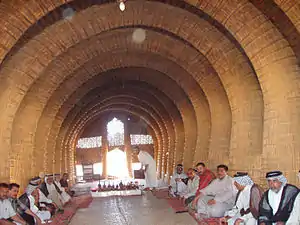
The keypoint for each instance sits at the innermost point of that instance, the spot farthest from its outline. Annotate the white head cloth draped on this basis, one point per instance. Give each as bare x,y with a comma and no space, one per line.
30,188
50,187
277,175
33,184
243,179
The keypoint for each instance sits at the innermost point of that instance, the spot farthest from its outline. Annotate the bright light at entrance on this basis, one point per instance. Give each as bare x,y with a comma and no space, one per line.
79,170
97,168
117,164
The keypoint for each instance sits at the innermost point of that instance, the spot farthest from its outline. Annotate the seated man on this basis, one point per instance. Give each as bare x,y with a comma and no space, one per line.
42,211
247,202
281,203
7,213
50,191
177,186
64,184
64,197
206,176
34,183
20,208
192,186
218,197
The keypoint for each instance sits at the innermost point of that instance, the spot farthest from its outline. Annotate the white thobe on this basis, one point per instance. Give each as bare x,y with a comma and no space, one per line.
150,174
178,187
274,201
6,209
64,197
295,214
43,198
192,187
54,195
223,192
243,202
43,215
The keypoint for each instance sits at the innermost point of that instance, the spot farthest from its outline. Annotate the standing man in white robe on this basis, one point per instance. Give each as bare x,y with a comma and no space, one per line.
148,166
218,197
281,203
245,210
177,186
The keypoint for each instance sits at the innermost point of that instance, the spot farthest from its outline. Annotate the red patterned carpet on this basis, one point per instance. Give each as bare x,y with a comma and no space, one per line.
70,209
178,207
209,221
162,194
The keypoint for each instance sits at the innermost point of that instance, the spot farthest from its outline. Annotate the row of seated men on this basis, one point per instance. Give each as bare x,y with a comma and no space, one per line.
41,200
236,200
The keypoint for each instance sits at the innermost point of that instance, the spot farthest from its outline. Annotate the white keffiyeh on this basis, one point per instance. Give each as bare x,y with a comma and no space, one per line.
281,178
244,180
30,188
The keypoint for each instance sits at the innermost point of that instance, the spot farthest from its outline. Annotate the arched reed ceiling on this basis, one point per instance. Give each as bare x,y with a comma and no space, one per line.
110,108
285,16
93,83
246,110
235,62
150,76
156,123
160,129
146,93
25,17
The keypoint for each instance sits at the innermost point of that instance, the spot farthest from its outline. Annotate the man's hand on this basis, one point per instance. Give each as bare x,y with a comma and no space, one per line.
238,221
194,202
146,167
182,199
211,202
177,179
280,223
225,219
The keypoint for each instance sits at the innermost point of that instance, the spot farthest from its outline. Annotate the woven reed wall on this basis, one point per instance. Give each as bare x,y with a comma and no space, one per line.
216,81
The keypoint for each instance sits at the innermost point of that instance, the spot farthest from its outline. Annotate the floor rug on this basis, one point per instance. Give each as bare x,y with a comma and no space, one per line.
207,221
162,194
177,205
70,209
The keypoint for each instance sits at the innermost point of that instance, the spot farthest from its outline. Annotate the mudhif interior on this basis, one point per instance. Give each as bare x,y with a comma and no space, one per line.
150,112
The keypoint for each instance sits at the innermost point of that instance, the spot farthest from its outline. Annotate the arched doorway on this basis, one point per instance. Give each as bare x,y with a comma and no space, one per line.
116,158
117,164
